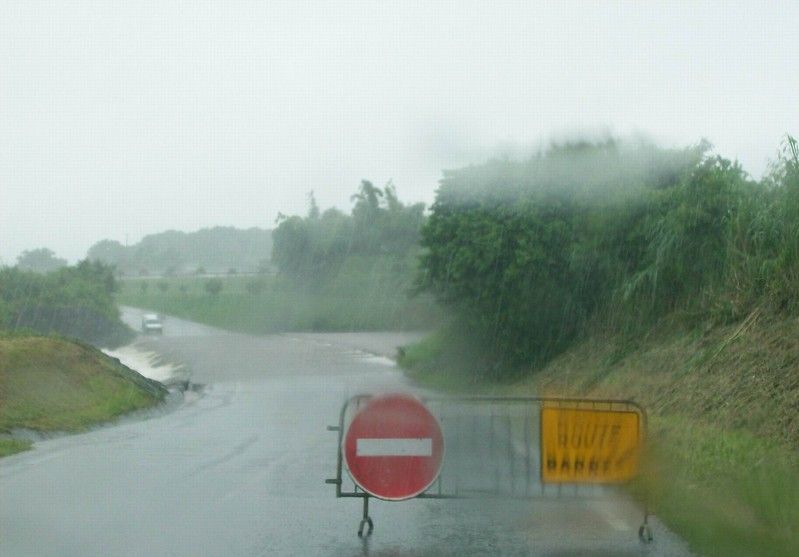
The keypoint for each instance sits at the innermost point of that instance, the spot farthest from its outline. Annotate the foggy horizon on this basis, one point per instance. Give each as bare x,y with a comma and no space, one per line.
120,121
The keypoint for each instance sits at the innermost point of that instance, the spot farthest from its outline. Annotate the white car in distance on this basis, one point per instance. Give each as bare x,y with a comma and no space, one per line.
151,323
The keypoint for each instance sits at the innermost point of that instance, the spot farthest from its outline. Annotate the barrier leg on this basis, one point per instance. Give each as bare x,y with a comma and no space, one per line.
645,532
366,521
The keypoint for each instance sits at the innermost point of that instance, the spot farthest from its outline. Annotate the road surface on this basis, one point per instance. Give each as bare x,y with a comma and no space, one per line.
240,470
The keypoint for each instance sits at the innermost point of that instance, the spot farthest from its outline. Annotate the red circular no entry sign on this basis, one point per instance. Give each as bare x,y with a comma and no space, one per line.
394,447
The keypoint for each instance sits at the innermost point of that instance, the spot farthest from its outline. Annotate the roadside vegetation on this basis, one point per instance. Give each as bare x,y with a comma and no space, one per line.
76,302
667,276
51,380
54,385
13,446
533,255
334,272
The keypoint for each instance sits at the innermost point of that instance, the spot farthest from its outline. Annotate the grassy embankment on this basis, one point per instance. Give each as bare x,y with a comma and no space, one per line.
54,385
722,468
367,294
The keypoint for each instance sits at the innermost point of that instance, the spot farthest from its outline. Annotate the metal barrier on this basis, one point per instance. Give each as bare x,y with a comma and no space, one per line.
520,447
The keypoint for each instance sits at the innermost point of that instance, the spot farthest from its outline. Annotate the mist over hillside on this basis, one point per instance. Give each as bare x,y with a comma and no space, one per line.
221,249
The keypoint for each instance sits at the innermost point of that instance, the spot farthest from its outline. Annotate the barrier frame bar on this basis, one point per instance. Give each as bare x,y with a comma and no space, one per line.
366,526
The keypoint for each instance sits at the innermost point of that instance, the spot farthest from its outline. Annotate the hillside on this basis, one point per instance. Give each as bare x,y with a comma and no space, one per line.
744,375
722,466
53,385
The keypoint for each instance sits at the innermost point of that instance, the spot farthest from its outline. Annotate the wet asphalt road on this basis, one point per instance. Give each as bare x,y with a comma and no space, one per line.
240,471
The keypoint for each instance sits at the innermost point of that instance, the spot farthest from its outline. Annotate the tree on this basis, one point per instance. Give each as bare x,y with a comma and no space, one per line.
392,201
108,251
367,198
313,208
313,249
367,217
40,260
525,253
213,286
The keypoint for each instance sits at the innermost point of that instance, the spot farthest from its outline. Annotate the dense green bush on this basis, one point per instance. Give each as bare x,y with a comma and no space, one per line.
73,301
528,253
312,250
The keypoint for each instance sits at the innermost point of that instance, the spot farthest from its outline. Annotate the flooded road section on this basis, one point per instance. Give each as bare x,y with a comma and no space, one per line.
240,471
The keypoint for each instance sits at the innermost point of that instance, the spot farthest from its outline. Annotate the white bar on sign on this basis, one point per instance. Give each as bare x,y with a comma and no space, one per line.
421,446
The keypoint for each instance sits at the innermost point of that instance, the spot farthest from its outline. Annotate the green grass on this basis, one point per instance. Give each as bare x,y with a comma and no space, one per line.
454,360
49,384
13,446
445,361
364,296
727,492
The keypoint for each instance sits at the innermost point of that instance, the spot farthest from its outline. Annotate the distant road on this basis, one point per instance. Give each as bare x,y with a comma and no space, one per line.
240,471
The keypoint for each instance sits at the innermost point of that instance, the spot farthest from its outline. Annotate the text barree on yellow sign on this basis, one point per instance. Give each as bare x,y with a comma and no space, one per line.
581,445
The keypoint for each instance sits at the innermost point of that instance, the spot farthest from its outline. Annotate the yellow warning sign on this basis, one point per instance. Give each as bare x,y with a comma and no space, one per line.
589,445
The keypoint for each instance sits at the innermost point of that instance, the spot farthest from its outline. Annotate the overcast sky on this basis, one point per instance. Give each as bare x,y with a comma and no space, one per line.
119,119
